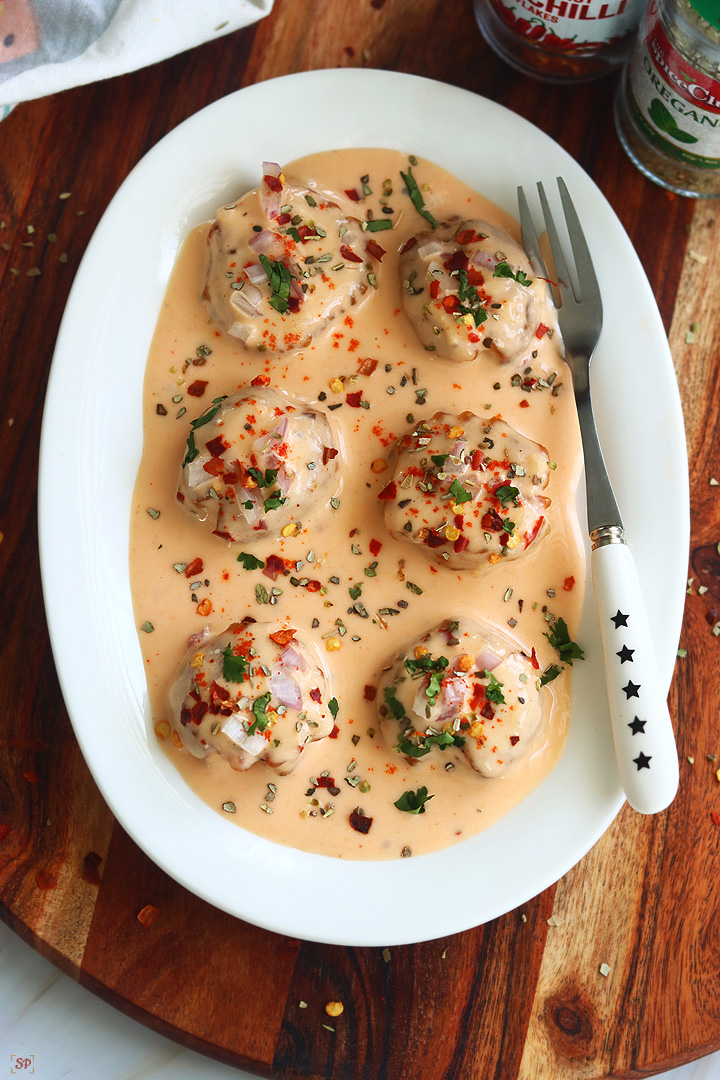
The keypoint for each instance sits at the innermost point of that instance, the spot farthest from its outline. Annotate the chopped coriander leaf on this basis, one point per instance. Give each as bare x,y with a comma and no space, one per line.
259,710
549,674
470,302
250,562
434,686
459,493
355,591
273,501
396,707
417,199
439,459
264,481
413,802
493,691
234,667
559,638
204,418
443,739
280,280
377,225
333,707
503,269
507,494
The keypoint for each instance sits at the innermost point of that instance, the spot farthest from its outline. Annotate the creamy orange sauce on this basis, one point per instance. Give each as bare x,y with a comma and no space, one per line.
512,596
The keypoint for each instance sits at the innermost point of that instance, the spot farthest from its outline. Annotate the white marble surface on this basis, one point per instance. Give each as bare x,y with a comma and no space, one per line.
66,1033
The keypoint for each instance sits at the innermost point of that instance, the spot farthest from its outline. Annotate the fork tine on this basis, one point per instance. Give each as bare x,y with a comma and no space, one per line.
583,263
529,236
561,267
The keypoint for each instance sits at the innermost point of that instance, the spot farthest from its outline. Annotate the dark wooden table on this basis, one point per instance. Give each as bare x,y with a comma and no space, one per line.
506,1000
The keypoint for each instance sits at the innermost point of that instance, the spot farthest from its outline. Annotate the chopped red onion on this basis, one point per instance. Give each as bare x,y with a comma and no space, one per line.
486,661
286,690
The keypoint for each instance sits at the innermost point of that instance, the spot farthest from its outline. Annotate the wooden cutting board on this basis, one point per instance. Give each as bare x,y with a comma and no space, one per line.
519,997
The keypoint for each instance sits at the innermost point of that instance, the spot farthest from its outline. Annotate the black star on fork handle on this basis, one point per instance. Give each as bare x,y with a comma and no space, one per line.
642,729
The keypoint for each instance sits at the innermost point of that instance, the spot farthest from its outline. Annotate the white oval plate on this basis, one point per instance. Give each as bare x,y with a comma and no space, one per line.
91,445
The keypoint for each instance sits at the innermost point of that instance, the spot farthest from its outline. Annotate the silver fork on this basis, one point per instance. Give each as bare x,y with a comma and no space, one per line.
642,730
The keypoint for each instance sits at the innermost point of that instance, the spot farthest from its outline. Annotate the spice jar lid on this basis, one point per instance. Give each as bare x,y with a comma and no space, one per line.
708,10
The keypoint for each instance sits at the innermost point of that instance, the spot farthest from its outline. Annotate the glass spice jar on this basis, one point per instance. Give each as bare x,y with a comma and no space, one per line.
667,106
560,40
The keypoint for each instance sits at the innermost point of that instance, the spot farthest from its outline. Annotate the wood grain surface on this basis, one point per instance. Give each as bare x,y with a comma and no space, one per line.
517,999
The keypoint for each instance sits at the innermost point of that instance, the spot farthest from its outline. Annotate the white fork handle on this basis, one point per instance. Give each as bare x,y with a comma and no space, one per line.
642,730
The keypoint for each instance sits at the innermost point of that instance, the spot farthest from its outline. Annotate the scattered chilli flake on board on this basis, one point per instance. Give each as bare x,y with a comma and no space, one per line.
46,880
148,915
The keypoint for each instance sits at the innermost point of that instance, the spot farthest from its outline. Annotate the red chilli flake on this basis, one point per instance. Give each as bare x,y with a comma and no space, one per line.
524,405
375,250
45,880
348,254
275,184
261,380
193,568
374,546
410,244
283,637
148,915
316,696
352,194
217,446
274,565
514,740
324,782
354,399
541,330
434,289
329,452
468,236
568,584
534,660
335,732
360,823
370,692
529,539
389,491
198,388
90,872
366,367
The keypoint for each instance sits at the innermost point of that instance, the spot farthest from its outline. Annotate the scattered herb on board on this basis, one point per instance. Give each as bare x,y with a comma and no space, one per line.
413,802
